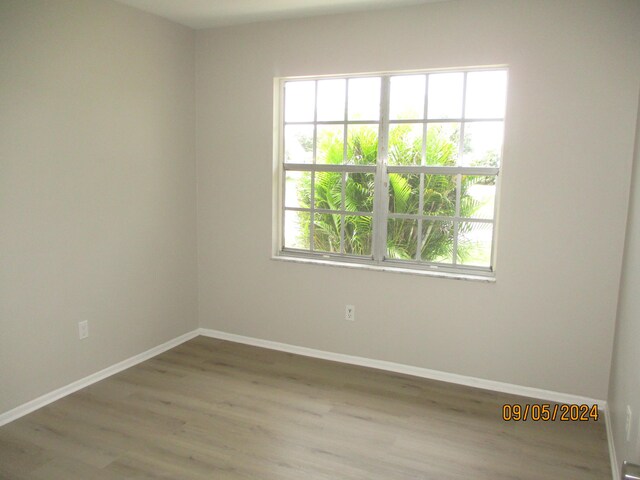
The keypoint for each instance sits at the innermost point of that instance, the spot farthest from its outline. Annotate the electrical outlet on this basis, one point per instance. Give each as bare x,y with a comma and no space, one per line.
627,426
350,313
83,329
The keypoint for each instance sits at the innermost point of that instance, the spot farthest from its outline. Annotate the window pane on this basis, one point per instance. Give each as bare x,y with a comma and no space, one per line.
299,101
298,143
358,232
404,193
330,147
331,99
482,144
362,144
443,143
474,243
359,192
402,238
445,95
296,229
444,119
437,241
328,191
407,97
486,94
364,98
326,236
405,144
297,190
440,195
478,196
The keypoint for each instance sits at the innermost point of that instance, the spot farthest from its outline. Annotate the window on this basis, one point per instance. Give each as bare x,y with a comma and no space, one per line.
395,169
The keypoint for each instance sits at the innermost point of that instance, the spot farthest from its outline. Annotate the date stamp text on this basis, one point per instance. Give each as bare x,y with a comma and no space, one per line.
545,412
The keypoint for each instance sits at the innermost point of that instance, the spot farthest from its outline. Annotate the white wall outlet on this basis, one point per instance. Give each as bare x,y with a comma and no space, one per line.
350,313
627,425
83,329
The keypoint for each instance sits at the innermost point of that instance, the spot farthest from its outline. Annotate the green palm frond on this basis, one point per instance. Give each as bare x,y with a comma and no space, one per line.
405,148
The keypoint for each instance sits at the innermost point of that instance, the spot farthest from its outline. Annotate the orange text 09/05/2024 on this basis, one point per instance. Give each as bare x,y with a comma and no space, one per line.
546,412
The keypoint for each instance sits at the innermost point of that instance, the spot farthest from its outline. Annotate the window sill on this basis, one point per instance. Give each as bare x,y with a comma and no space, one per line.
386,268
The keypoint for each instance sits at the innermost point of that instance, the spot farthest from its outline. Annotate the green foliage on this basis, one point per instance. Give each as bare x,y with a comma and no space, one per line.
439,197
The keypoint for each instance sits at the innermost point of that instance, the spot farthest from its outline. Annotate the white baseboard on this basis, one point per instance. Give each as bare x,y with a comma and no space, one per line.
47,398
408,369
615,471
537,393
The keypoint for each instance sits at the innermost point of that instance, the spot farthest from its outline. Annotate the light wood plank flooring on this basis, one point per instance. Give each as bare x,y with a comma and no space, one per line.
211,409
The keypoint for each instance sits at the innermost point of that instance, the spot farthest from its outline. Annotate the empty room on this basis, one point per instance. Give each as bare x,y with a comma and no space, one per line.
320,239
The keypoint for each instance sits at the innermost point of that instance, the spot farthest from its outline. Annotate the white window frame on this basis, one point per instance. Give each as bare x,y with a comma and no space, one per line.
381,170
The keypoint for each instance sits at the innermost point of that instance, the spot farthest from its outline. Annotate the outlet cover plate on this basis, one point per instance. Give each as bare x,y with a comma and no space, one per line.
83,329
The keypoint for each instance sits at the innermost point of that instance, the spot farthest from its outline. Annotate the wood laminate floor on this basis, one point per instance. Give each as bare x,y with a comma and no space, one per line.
211,409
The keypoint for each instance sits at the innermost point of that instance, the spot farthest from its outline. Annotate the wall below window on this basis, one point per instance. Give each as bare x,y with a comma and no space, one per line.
97,200
548,321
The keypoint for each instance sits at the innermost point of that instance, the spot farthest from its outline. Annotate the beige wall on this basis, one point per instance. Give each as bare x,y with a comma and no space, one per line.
548,321
624,388
97,198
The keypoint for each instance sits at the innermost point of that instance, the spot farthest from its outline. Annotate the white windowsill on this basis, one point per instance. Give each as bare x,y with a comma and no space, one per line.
386,268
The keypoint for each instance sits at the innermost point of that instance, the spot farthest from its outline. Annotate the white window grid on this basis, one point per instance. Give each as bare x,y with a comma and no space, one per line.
381,170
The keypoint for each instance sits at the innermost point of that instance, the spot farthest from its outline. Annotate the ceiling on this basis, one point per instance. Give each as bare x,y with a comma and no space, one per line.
215,13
